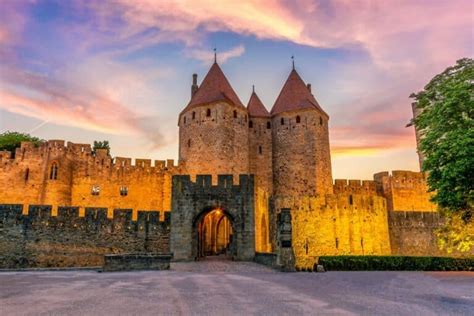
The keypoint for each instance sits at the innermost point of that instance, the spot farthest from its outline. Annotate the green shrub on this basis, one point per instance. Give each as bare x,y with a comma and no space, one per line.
395,263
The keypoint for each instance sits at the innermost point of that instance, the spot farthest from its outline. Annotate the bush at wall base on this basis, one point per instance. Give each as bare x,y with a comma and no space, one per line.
395,263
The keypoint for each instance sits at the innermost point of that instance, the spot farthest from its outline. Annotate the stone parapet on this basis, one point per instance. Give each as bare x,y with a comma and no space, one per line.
40,240
136,261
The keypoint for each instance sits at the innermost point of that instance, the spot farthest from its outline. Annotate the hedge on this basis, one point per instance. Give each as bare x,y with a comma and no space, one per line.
395,263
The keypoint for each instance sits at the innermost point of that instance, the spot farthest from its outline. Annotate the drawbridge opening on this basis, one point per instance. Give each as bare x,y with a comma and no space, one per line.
214,235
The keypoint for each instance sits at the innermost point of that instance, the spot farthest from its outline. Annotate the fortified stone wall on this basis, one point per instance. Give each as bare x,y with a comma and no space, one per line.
214,144
413,233
82,178
301,154
344,186
26,178
123,185
405,191
39,240
337,224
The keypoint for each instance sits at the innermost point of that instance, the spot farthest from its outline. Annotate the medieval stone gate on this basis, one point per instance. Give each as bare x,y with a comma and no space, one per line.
191,201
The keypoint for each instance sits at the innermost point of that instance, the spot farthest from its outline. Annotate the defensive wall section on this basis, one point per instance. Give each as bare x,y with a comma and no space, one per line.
414,233
337,224
57,174
40,240
391,214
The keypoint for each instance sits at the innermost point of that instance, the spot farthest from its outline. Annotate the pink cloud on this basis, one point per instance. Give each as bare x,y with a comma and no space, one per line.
407,41
383,28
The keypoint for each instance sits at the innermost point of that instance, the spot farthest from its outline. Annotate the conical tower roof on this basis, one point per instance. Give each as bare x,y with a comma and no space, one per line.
215,87
295,95
256,107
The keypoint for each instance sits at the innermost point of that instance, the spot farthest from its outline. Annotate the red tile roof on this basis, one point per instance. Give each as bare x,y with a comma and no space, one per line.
295,96
256,107
215,87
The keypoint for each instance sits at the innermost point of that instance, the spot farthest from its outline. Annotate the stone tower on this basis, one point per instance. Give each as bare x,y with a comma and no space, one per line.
260,143
213,128
418,134
301,153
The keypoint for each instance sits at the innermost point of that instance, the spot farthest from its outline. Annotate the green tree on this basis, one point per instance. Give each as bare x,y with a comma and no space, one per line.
101,145
12,140
446,121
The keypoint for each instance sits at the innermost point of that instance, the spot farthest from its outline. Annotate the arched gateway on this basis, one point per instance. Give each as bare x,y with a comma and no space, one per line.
210,220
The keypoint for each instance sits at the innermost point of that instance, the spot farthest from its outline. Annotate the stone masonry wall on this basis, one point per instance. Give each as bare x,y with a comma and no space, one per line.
27,178
260,152
191,201
301,154
263,218
405,191
260,160
413,233
337,225
40,240
215,144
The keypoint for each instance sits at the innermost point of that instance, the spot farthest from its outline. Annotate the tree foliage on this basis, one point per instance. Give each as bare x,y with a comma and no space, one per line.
101,145
446,123
12,140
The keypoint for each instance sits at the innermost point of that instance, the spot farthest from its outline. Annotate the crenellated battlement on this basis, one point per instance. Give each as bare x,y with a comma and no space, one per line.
405,190
42,239
81,153
101,214
224,182
354,186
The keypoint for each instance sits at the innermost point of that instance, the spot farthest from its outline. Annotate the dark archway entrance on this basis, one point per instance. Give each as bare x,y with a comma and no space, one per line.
213,234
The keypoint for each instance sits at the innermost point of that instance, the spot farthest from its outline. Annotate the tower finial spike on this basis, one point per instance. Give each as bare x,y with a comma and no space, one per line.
293,61
215,55
253,88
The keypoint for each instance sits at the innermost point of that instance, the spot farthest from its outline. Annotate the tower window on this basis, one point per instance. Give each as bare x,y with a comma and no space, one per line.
298,119
194,115
269,125
53,175
95,190
337,243
27,173
260,150
320,120
184,120
235,114
282,121
123,190
250,124
208,112
189,142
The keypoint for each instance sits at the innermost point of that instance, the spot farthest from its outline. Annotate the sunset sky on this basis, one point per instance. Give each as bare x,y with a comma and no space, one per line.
121,70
